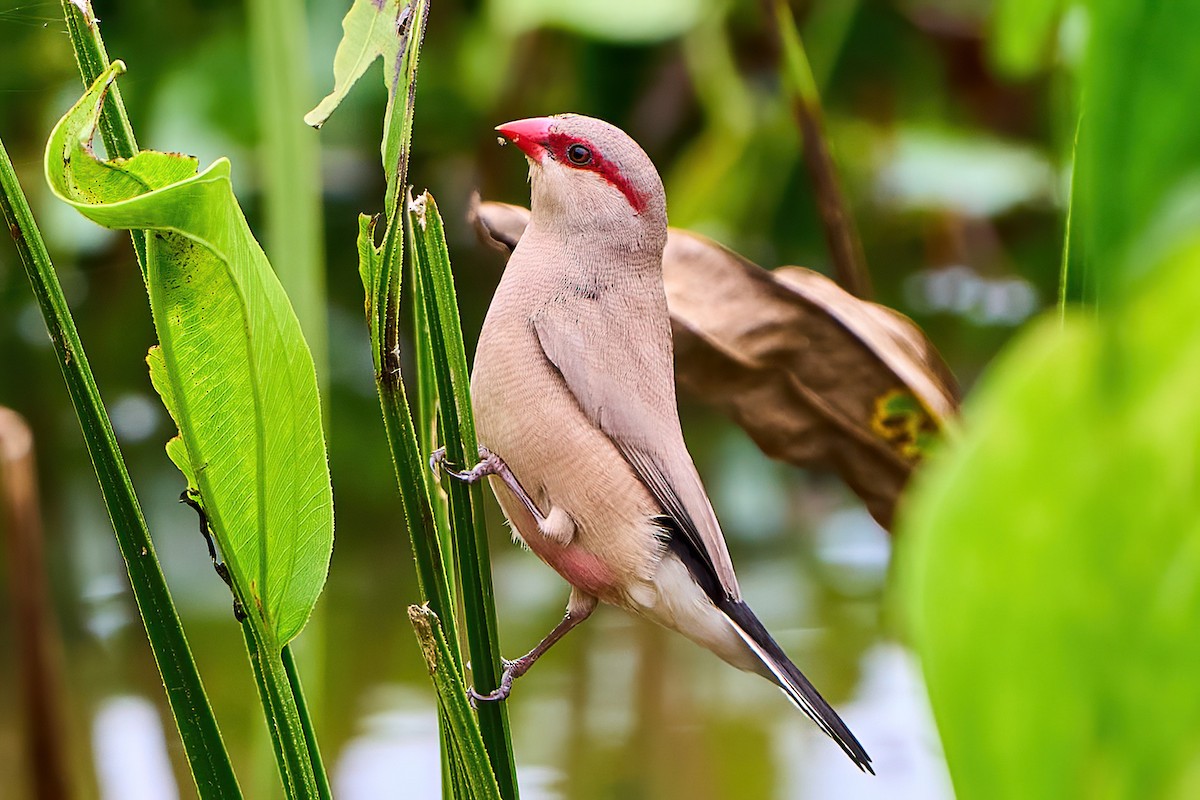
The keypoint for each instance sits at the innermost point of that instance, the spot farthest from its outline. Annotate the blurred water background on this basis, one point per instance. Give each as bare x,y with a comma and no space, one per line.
954,171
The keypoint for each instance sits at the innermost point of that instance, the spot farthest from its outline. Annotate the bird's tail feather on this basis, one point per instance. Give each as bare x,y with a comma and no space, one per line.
797,687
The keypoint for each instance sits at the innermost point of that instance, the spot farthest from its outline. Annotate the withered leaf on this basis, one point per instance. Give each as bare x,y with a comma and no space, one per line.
816,376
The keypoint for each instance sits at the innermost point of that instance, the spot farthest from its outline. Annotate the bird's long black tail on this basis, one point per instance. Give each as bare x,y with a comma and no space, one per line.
797,687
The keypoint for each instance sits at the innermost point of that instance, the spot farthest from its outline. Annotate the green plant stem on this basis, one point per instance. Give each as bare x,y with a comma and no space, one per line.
383,297
428,243
407,460
428,554
206,753
427,419
260,683
306,724
1065,264
297,767
92,57
455,706
382,269
454,783
841,234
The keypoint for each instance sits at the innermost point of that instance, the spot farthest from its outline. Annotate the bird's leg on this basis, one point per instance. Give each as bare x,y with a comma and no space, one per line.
489,464
578,609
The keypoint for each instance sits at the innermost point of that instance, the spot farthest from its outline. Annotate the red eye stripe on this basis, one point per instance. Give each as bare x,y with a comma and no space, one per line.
558,142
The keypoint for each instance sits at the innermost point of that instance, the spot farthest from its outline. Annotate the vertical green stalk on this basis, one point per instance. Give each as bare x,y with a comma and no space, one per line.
427,417
1064,266
428,243
845,247
286,714
456,710
381,269
260,683
395,29
290,737
306,724
206,754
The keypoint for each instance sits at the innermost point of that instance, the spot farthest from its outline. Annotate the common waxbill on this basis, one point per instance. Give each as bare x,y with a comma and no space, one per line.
574,396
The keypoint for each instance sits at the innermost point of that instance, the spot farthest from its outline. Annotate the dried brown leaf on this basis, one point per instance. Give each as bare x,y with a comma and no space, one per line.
816,376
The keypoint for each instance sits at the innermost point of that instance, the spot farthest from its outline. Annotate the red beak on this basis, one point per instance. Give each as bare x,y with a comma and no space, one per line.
531,135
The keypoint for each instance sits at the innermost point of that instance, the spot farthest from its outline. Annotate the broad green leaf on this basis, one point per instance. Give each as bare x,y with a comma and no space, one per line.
206,754
1138,153
233,368
1050,561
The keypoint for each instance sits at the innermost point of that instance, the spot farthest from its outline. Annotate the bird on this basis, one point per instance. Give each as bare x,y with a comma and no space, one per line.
573,394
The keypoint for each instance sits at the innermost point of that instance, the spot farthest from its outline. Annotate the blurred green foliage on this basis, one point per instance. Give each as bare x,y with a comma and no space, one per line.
1051,558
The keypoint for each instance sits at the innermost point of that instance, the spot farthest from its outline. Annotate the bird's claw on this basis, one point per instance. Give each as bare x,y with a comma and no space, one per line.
512,671
489,464
501,693
436,459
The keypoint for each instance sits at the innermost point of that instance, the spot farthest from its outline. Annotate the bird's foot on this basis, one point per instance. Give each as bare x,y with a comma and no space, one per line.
489,464
492,464
512,671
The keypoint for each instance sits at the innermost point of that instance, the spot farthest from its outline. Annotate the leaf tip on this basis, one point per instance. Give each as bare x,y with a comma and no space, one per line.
315,118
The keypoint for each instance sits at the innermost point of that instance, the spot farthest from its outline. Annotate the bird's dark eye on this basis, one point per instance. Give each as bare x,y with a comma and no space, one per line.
579,154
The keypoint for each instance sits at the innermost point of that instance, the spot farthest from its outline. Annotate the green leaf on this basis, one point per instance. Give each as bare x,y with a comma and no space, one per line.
381,29
206,754
1051,560
369,31
233,369
1138,160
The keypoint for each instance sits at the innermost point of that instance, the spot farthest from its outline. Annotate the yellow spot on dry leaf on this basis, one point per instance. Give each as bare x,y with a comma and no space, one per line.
903,422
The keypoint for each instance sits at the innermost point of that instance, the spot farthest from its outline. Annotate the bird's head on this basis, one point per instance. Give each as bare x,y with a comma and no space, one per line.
587,174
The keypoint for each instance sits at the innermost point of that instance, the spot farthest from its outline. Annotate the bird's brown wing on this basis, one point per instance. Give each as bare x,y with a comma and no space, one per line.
628,392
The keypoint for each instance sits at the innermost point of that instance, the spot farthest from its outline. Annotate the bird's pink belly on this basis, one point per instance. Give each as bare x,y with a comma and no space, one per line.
581,569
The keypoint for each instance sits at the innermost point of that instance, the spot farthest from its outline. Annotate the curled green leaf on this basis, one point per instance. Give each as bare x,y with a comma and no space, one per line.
232,368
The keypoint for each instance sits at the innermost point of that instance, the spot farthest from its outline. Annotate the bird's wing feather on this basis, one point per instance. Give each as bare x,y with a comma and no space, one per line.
631,398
